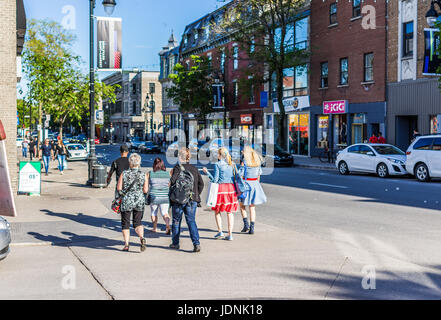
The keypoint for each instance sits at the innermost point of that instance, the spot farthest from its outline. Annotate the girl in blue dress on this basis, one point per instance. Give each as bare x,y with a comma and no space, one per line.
251,170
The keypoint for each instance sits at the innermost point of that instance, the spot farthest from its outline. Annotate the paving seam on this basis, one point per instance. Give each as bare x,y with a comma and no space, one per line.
92,274
338,275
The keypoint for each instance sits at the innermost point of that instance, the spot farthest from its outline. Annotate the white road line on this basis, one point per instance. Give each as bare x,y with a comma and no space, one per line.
328,185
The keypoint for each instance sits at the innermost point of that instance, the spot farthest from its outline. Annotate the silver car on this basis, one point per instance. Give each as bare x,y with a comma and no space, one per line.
5,238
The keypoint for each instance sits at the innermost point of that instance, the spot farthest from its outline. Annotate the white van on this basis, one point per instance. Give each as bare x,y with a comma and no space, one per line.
424,157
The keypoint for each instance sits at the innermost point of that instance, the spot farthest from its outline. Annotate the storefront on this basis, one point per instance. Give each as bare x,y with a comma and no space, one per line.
249,125
215,124
339,123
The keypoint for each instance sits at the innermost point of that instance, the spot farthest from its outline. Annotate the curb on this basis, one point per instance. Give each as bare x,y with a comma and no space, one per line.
308,166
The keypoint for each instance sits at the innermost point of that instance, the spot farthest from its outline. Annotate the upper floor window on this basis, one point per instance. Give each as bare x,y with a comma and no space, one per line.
252,45
235,92
151,88
333,13
369,67
356,8
301,35
324,75
134,88
235,57
408,39
222,61
295,81
344,71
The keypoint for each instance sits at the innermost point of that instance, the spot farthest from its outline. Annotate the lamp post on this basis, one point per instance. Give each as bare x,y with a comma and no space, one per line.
109,6
152,110
432,15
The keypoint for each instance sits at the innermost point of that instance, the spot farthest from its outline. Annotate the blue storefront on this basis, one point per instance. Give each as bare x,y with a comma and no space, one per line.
352,123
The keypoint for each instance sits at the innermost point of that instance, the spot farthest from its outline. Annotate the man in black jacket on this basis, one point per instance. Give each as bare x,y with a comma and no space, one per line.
188,209
118,166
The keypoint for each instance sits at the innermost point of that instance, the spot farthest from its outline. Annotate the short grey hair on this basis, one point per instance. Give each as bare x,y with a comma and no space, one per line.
135,160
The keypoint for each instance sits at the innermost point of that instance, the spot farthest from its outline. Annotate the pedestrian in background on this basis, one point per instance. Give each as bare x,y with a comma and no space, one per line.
24,148
119,166
381,139
47,153
227,196
133,184
373,139
61,154
251,169
188,209
159,182
32,149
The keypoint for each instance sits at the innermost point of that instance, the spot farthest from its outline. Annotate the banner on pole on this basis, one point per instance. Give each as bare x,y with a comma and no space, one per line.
109,37
432,60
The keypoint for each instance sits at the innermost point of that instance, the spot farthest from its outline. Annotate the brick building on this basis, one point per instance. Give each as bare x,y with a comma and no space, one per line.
414,99
13,29
348,72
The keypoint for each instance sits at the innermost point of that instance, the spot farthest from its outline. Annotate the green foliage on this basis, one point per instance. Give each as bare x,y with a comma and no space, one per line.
438,51
23,109
192,89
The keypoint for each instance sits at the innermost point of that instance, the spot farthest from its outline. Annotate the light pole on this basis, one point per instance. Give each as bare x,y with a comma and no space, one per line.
152,110
432,15
109,6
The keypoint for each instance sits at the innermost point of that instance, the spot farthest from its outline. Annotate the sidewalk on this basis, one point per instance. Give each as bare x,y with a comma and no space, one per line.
312,163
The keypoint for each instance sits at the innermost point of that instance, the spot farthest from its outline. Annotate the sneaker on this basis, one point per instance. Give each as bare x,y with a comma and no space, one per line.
174,246
229,238
219,235
197,248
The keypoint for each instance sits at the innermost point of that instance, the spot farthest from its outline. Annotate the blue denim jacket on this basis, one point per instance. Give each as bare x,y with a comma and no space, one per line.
252,172
223,173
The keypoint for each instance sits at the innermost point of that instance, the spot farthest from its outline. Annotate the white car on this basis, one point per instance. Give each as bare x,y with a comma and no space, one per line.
76,151
5,238
382,159
424,158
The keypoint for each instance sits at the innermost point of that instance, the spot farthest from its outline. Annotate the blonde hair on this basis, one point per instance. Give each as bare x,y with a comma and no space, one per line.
224,154
184,154
251,157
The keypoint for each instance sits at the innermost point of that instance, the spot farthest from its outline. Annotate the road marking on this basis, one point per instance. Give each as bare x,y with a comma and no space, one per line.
328,185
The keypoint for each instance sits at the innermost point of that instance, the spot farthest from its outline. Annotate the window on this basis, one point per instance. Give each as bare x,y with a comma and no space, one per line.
354,149
252,46
344,71
152,87
369,67
364,149
324,75
235,92
437,144
196,36
301,33
126,108
301,80
236,57
423,144
408,39
251,97
126,89
133,111
333,13
288,82
222,62
356,8
322,130
295,81
210,61
134,88
207,31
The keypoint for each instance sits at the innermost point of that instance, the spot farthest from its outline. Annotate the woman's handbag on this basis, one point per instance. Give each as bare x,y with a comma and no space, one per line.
212,195
116,203
242,188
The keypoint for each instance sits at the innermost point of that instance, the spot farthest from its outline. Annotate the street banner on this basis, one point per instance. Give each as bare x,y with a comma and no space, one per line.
7,204
30,177
432,60
264,99
109,37
99,117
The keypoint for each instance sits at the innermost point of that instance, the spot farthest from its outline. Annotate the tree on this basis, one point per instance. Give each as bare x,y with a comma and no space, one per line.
265,29
192,89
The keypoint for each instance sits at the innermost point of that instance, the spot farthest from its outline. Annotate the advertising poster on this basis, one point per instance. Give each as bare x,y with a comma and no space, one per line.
431,58
7,205
109,37
30,177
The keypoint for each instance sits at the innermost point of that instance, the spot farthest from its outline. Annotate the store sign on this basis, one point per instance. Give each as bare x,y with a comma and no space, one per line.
30,177
335,107
293,104
7,204
246,119
99,117
432,60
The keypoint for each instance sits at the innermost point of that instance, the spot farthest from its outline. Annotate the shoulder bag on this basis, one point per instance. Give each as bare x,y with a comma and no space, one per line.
116,203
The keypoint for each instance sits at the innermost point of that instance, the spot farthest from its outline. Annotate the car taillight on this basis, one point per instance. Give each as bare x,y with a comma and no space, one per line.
408,153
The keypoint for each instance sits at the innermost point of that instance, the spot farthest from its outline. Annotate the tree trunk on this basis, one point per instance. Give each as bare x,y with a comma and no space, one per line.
281,138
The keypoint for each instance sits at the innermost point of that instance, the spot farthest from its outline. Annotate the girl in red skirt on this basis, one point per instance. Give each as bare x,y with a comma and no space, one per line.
226,197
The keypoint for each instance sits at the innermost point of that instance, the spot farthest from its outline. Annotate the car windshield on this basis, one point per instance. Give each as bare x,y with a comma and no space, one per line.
384,150
149,143
75,147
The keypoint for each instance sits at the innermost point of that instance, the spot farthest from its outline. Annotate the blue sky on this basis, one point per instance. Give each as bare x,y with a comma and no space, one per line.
147,24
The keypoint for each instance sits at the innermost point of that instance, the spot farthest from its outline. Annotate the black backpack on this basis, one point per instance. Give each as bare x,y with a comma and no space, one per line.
181,192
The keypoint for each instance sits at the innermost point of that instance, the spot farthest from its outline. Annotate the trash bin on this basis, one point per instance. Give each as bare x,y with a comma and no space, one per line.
99,173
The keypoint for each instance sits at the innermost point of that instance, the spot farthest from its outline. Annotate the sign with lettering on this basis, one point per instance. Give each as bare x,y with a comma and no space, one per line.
109,37
30,177
246,119
293,104
335,107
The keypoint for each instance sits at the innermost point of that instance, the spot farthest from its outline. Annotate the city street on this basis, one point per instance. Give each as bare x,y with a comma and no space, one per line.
318,236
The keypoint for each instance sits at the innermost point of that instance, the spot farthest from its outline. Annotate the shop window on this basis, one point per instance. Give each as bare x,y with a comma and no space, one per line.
359,128
298,134
435,124
322,131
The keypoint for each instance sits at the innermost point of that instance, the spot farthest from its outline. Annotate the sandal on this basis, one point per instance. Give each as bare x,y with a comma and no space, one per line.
126,248
168,231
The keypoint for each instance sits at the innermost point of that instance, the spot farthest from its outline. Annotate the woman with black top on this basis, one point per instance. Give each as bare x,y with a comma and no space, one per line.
60,149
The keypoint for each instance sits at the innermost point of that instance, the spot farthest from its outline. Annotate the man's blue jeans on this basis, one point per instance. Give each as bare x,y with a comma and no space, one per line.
25,152
189,210
46,160
61,160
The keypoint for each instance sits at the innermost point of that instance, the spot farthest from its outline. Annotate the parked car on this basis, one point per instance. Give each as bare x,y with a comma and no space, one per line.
382,159
149,147
424,158
5,237
134,143
194,145
76,151
280,157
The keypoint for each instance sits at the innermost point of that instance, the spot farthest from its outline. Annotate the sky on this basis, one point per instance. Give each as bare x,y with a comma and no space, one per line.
147,24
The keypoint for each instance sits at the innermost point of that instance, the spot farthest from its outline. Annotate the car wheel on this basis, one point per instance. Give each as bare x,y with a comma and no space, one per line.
343,168
422,173
382,170
176,153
